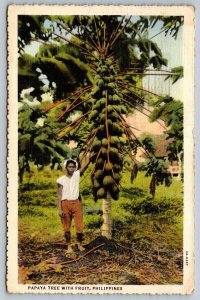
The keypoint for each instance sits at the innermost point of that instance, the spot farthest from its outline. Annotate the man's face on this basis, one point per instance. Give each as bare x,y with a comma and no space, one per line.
70,168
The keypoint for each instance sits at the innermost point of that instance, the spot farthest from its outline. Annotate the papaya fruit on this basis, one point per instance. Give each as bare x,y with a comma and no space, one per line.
101,193
104,142
108,181
98,174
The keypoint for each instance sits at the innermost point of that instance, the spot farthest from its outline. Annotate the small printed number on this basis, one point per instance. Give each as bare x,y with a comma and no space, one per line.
186,258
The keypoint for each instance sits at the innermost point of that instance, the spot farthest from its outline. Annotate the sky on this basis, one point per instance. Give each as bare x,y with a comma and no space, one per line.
172,51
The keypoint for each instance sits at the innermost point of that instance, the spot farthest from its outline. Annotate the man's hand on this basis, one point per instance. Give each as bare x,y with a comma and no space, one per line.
61,215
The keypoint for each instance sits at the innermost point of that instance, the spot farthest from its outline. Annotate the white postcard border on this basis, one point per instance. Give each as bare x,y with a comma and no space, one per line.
12,218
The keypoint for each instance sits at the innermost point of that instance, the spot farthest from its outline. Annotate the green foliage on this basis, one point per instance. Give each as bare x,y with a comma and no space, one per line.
28,76
158,170
30,27
93,222
171,24
124,48
31,186
178,74
44,198
36,142
148,144
146,46
171,111
163,206
58,66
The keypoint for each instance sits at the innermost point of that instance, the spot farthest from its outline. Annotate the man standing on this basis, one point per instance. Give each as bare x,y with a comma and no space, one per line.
69,203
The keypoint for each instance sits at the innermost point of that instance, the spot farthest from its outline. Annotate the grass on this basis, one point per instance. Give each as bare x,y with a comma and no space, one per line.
135,209
43,226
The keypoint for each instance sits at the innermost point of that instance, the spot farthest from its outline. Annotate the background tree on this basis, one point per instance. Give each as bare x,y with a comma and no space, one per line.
155,167
171,111
60,65
36,138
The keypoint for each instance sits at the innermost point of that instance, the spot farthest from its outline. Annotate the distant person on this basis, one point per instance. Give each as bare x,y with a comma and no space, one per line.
69,203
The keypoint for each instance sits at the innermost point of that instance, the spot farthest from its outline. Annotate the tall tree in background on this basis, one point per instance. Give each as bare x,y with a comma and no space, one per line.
37,139
155,167
171,111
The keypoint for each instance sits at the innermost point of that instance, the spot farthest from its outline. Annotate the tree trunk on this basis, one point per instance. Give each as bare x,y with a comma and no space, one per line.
106,207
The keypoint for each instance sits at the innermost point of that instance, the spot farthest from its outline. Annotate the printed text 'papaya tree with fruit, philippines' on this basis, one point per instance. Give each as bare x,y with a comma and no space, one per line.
118,53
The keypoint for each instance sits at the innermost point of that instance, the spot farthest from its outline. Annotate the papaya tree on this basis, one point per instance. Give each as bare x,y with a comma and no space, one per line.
118,55
113,95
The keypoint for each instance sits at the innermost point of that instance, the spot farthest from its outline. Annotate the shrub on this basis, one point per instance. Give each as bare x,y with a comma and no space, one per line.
35,211
93,221
39,197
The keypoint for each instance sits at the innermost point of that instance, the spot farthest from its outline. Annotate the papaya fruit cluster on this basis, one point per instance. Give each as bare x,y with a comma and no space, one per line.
105,114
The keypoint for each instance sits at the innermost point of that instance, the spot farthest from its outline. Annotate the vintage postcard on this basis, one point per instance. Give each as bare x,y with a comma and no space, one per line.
100,149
